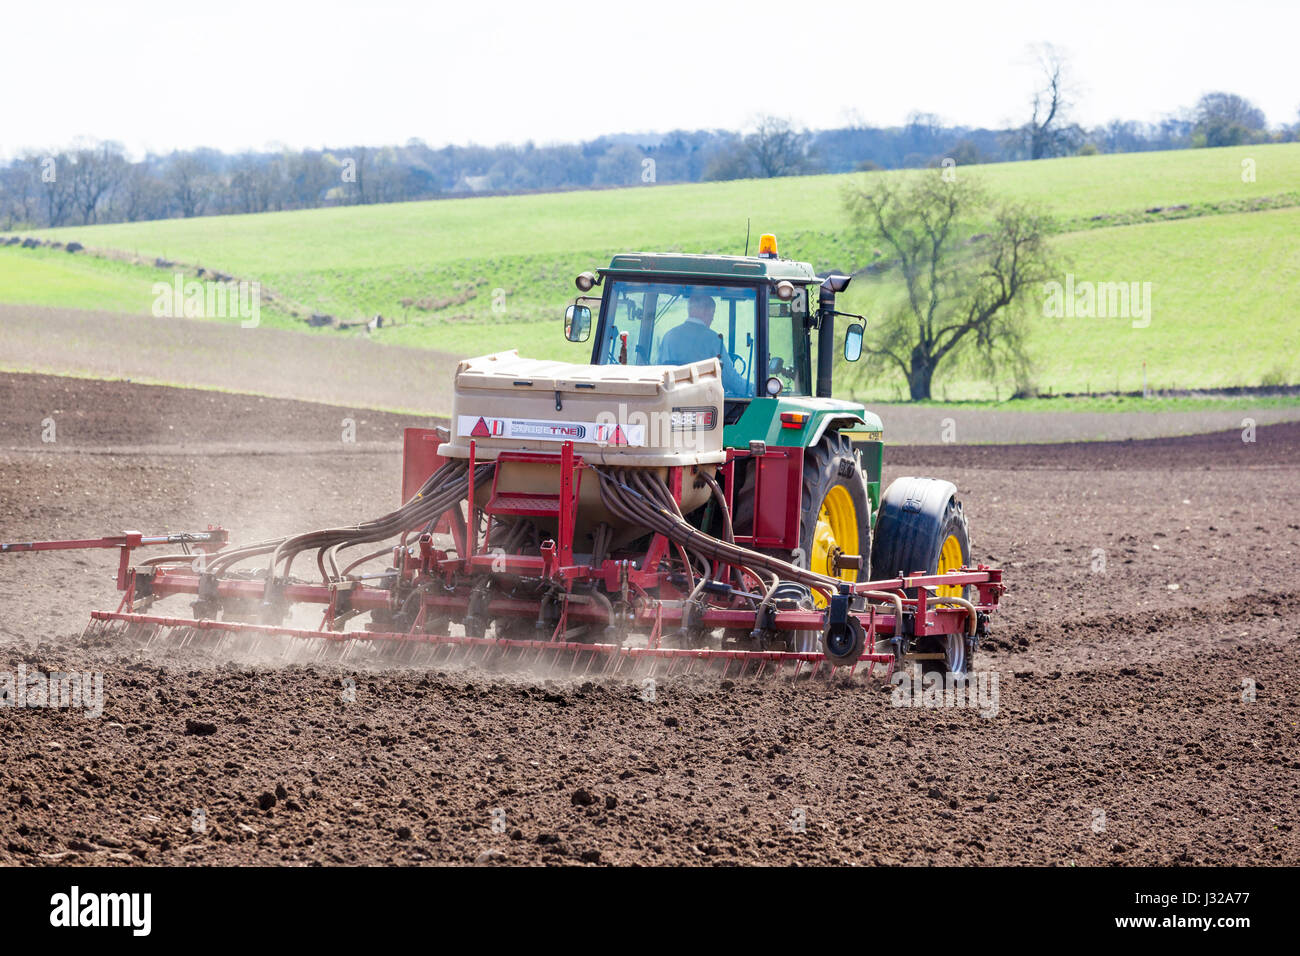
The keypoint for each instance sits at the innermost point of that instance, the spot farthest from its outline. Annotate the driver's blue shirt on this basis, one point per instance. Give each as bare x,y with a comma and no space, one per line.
693,341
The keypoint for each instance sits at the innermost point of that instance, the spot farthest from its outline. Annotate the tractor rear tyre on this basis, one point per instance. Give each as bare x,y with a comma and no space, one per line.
836,512
921,528
835,519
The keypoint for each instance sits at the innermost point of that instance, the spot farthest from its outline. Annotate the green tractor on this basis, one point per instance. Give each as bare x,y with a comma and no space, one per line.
758,315
692,497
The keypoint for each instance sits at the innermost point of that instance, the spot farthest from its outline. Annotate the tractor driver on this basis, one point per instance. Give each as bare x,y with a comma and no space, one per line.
694,341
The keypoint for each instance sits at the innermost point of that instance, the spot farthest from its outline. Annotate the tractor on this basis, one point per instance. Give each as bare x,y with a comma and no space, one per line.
776,410
693,496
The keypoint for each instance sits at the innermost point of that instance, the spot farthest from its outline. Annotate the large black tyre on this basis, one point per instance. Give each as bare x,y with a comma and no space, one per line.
834,497
921,528
828,465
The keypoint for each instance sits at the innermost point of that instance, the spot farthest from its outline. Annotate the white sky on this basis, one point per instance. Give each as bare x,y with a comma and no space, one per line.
234,74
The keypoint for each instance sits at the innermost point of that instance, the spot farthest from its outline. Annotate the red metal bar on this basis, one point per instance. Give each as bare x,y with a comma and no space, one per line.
203,541
671,654
128,539
471,530
930,619
568,506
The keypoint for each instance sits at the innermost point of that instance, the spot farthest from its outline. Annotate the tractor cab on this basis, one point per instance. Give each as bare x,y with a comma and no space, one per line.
754,314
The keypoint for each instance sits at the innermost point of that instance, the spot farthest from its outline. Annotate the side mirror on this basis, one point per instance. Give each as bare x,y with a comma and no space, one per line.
577,323
853,342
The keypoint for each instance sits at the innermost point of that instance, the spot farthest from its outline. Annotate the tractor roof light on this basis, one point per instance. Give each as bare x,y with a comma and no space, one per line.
585,281
767,246
785,290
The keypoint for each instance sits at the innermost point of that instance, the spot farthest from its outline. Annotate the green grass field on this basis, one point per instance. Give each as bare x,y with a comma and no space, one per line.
481,274
55,278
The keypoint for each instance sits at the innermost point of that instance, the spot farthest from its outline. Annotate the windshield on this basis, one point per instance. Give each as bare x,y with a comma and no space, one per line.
787,342
669,323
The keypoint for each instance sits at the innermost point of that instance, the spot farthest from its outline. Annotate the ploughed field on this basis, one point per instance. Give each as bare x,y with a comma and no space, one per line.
1152,596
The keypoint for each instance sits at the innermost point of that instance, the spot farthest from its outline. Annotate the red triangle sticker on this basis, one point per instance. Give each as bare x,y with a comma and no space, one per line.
481,430
619,438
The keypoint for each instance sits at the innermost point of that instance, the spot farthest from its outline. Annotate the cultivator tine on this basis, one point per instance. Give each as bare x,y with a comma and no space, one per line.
419,650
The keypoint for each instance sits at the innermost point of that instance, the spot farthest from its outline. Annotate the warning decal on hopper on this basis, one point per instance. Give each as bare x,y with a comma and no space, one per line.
596,433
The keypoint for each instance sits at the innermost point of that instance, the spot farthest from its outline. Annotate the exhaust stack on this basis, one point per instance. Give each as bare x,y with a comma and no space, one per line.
831,286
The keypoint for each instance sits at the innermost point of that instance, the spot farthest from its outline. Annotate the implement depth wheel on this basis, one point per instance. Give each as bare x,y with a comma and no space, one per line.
836,513
843,644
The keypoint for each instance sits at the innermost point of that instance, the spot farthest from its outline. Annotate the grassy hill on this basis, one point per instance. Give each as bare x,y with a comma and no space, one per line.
1224,278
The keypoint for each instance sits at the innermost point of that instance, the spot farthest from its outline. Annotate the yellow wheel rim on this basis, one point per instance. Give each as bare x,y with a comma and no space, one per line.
836,533
950,559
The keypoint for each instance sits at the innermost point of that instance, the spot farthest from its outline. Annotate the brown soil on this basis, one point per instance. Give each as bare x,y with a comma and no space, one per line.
1119,693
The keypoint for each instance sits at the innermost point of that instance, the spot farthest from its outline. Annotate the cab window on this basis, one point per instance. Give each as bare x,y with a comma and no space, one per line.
670,323
787,342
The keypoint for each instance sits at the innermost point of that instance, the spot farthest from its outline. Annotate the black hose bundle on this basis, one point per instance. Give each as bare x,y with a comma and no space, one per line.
635,496
444,489
632,496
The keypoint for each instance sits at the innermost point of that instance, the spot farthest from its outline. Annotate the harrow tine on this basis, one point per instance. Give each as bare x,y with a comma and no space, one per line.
427,650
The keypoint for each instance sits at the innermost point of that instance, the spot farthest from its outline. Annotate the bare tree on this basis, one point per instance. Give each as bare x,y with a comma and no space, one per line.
139,196
1226,119
1048,133
20,196
187,177
252,183
776,148
309,176
962,294
359,157
52,173
95,172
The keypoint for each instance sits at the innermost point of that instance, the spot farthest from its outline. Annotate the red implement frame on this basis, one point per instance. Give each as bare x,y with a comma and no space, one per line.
644,582
204,541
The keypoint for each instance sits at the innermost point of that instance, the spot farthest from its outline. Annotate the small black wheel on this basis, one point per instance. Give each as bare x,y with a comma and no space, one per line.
955,651
845,643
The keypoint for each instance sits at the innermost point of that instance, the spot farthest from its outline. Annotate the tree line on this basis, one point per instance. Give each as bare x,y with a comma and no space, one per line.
98,182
